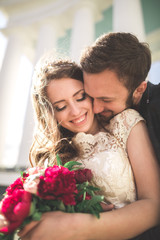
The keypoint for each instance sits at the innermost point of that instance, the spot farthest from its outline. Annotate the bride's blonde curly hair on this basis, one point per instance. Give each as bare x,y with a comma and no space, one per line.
49,137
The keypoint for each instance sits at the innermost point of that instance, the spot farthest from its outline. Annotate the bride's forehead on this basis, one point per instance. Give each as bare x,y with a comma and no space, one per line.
63,88
65,82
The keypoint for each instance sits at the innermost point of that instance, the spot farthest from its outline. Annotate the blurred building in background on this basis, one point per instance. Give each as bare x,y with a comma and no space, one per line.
31,28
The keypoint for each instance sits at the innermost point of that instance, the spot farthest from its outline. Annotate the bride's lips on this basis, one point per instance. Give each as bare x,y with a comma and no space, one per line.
81,120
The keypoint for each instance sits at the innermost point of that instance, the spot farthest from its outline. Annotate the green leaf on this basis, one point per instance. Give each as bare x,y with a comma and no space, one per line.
59,162
7,237
70,209
33,206
70,164
90,206
61,206
36,216
76,168
93,188
98,198
96,213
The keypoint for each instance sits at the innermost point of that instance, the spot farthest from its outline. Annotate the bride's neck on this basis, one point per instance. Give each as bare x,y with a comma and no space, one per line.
95,127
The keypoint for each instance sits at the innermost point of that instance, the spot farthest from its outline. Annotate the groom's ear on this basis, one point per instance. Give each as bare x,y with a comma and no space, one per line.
138,92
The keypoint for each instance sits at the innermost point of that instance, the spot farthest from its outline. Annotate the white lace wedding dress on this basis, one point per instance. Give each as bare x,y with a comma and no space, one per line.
106,155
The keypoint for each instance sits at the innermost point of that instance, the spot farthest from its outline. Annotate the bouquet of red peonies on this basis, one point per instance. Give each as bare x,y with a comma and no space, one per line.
66,188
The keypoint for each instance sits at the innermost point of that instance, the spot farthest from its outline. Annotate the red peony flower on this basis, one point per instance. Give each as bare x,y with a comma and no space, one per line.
37,189
83,175
58,183
18,184
16,208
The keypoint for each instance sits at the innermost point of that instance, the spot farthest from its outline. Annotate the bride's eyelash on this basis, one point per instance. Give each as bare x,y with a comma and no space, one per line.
59,109
83,97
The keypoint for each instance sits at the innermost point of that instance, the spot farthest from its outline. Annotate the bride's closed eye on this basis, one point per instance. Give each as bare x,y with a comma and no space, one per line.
82,97
58,109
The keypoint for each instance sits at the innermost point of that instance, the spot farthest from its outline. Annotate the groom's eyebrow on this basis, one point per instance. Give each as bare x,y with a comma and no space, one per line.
104,97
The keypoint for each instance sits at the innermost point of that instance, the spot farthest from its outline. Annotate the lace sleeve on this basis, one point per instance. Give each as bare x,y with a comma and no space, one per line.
121,125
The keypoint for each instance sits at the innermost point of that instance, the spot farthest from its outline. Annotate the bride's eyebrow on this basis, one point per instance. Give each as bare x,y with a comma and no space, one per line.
78,92
63,100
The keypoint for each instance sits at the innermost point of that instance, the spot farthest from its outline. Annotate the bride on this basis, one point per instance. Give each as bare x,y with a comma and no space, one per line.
119,154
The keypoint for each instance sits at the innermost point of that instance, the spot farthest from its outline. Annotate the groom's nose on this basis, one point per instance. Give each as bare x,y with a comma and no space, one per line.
97,106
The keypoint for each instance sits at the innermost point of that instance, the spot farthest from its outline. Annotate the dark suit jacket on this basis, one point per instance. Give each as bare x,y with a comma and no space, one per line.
150,109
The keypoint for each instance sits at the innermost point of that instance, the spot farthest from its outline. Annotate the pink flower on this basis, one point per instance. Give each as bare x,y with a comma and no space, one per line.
34,170
31,186
15,208
58,183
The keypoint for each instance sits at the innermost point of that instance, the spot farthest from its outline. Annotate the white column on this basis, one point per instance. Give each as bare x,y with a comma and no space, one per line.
82,29
128,17
46,42
27,137
46,39
8,78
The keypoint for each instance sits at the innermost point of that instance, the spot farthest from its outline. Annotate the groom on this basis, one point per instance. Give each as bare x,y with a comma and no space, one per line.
115,69
115,72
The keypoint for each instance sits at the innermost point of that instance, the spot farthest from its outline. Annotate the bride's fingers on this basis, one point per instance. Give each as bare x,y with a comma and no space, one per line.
107,207
27,228
3,221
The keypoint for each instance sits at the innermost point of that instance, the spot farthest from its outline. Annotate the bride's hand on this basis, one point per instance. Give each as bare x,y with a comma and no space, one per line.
107,207
3,220
44,229
54,225
30,226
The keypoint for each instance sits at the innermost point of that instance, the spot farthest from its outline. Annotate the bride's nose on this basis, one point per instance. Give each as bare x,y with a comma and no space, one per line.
74,110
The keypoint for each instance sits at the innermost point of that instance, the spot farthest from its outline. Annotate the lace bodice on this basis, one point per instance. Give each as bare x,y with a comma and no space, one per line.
106,155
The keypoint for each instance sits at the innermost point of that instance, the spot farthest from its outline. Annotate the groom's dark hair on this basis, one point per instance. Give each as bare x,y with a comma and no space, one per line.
121,53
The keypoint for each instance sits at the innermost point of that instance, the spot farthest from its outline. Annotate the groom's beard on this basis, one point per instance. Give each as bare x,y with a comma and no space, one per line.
129,101
104,120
